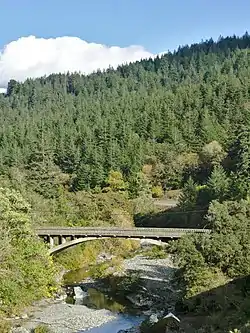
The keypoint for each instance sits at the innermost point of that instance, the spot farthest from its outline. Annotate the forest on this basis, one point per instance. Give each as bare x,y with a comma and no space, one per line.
94,150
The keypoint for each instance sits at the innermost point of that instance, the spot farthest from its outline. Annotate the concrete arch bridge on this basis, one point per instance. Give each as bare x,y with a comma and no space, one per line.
60,238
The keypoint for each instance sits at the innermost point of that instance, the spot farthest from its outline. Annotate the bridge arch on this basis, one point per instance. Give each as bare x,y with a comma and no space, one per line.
70,236
58,248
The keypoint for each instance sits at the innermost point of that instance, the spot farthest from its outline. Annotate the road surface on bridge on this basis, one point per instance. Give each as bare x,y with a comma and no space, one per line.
162,233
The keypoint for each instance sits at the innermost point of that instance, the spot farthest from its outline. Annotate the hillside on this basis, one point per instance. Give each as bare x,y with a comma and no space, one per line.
142,113
94,150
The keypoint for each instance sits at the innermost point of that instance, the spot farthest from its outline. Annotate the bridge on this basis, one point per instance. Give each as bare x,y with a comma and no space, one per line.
60,238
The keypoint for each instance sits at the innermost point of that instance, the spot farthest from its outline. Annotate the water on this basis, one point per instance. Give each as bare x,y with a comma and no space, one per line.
126,315
122,322
76,276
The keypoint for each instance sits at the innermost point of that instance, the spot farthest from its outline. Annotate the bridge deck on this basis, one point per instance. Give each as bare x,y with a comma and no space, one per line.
117,232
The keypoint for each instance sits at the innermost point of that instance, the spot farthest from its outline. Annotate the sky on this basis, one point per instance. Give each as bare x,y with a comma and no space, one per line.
40,37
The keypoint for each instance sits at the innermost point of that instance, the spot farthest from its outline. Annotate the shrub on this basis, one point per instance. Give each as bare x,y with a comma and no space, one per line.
42,329
157,192
27,271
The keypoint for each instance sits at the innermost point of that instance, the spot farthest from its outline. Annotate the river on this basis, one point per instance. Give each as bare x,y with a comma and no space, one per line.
89,308
125,314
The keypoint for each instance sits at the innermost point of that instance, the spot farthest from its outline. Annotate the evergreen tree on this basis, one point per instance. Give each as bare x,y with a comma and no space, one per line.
240,156
218,184
189,195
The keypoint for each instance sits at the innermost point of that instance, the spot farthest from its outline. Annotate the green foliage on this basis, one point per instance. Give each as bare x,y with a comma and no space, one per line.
115,181
156,252
43,174
138,185
229,246
42,329
240,156
210,260
189,195
69,138
86,254
157,192
212,153
86,126
27,271
218,184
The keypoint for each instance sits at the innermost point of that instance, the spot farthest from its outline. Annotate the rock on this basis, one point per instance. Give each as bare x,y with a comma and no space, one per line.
153,318
79,293
19,330
104,257
24,316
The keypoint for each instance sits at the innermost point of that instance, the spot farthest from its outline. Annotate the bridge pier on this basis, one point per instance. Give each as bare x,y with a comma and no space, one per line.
51,242
62,240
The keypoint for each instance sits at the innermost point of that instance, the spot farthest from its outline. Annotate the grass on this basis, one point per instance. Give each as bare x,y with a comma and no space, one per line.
42,329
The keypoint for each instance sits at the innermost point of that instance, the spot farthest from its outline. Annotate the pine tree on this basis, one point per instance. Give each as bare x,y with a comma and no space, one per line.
240,156
43,174
218,184
189,195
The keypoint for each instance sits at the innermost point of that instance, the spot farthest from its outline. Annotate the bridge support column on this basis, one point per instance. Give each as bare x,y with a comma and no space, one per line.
46,239
62,240
51,242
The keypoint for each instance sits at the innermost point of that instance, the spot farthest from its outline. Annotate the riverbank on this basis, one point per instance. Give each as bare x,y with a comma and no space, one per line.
149,297
67,318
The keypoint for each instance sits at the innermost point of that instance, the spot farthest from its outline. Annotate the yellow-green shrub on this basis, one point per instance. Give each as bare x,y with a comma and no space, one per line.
157,192
42,329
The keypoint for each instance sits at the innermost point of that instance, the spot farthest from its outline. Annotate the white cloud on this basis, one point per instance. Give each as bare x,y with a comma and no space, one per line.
30,57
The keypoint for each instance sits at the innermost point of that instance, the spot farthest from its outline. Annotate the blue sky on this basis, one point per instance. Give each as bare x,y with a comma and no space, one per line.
158,25
30,43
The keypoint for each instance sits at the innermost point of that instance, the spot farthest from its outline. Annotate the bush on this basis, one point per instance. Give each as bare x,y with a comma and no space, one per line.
42,329
157,192
85,255
27,271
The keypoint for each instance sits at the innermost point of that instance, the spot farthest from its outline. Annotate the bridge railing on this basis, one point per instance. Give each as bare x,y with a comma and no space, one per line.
133,232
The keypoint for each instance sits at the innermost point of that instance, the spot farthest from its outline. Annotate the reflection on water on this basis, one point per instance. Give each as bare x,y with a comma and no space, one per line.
126,317
98,300
76,276
95,299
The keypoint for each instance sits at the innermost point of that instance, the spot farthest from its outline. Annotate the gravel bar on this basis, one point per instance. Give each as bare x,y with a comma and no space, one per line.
67,318
152,269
